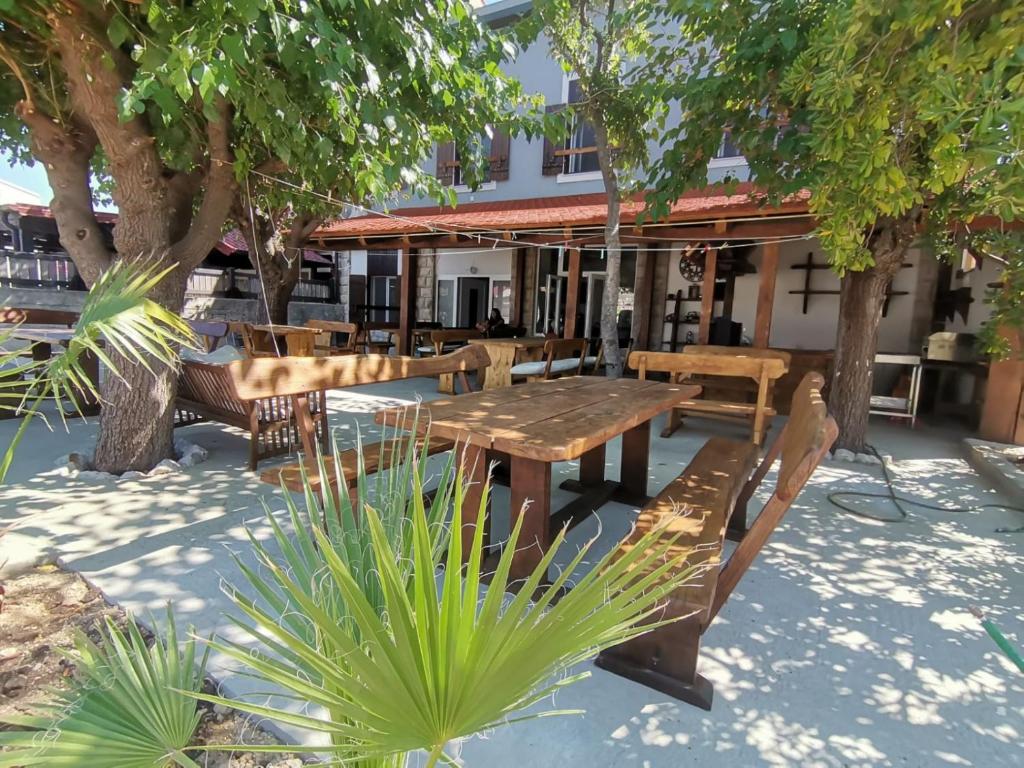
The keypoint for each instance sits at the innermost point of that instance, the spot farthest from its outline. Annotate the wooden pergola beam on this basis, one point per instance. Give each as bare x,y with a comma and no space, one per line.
707,299
572,293
407,301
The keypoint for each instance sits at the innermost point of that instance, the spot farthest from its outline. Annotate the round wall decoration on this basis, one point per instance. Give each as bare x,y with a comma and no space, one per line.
691,263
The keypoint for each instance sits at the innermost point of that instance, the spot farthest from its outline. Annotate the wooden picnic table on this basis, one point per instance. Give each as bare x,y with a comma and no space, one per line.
505,353
42,339
299,340
543,422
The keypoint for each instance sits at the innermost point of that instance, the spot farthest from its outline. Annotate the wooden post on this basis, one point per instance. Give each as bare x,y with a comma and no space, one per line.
643,299
707,301
766,294
407,301
518,287
572,293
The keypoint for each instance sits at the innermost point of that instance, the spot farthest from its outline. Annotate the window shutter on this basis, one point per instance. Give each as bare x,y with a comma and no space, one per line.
552,164
500,146
446,163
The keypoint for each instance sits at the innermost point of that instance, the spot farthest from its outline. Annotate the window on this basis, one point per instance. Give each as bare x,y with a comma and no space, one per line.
728,152
580,149
485,154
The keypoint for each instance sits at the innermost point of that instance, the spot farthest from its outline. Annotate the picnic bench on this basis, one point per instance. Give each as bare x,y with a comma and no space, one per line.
504,354
294,376
274,420
704,504
700,367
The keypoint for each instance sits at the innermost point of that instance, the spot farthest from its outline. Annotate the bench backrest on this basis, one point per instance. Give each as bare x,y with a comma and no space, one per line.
564,349
352,332
758,353
452,336
266,377
680,365
211,332
801,445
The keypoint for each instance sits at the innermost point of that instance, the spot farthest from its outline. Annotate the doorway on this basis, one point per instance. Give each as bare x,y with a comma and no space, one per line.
474,294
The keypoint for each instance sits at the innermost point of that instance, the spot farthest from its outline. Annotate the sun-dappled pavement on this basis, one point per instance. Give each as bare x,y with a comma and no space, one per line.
848,643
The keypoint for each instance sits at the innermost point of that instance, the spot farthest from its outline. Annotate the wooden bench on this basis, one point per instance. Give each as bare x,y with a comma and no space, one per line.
562,357
697,368
446,340
351,371
324,342
704,504
213,393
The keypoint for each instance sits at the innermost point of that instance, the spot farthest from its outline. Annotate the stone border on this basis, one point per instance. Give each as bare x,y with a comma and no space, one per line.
994,461
78,466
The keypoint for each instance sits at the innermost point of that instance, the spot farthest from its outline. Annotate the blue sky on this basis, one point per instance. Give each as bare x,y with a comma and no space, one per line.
33,179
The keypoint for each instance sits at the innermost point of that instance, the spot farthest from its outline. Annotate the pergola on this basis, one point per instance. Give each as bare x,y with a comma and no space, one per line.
712,219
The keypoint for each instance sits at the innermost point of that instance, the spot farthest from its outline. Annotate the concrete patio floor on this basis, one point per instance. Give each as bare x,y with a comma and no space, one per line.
848,643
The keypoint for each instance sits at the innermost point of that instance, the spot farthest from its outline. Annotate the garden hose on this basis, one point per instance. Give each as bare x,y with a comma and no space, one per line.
898,502
998,637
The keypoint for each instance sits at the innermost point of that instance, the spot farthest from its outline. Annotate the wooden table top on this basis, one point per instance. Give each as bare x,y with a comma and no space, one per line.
521,343
555,420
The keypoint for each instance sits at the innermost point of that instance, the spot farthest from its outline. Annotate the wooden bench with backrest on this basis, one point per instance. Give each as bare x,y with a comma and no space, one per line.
208,392
697,368
700,506
33,316
740,389
562,357
444,340
349,371
324,344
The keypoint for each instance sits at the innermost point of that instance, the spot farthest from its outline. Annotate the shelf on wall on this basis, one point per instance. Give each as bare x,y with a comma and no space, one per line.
810,266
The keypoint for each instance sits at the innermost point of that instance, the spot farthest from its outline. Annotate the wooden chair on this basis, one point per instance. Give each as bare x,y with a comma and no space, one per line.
347,371
707,501
278,423
447,340
324,343
243,332
562,357
377,338
699,368
210,332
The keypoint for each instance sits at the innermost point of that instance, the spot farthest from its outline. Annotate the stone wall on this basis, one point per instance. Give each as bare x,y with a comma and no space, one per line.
529,289
659,262
426,276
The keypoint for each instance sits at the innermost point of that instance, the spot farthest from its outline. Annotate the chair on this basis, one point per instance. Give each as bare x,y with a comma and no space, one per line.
562,357
212,332
324,345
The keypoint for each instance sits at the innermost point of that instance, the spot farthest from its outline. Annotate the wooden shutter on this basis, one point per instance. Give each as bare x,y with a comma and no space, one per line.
552,164
500,146
446,163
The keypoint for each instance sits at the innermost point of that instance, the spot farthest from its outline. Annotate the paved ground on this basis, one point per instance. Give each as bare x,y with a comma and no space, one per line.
847,644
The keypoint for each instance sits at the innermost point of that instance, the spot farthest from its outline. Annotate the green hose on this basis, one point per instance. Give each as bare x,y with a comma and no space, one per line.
1000,639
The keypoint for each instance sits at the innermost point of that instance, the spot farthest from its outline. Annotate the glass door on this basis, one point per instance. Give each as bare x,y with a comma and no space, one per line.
554,305
446,302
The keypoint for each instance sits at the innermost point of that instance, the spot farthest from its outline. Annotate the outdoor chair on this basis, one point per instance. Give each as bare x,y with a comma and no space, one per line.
562,357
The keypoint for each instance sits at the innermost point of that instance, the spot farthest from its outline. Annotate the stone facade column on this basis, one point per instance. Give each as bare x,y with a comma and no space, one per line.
426,285
343,270
659,294
530,289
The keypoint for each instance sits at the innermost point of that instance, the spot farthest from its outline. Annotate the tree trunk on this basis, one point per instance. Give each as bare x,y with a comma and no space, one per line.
277,255
137,421
861,298
613,250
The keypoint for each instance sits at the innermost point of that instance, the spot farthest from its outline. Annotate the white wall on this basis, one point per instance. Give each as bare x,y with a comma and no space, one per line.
978,281
488,262
790,327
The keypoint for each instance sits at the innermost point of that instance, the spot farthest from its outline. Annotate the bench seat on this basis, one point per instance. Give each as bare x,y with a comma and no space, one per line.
376,457
536,367
724,408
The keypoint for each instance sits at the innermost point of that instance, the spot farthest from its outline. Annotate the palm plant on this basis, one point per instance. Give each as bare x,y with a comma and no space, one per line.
375,619
125,708
117,315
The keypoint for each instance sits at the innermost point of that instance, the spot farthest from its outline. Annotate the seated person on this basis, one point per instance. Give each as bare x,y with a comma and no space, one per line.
494,326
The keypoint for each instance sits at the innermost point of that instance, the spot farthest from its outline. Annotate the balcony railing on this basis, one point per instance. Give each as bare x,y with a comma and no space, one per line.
39,270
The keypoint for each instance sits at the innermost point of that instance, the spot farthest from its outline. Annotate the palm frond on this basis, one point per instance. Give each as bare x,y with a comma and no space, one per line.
413,654
125,707
117,317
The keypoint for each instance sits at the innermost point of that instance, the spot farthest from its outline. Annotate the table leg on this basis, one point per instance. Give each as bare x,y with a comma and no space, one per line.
473,462
592,466
446,384
499,373
636,447
531,488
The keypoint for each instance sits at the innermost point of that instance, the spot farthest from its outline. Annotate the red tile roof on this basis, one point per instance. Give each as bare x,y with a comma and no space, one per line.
553,212
42,212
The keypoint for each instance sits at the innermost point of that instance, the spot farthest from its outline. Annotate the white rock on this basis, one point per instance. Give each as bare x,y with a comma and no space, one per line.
133,475
190,454
868,458
63,461
165,467
291,763
842,454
